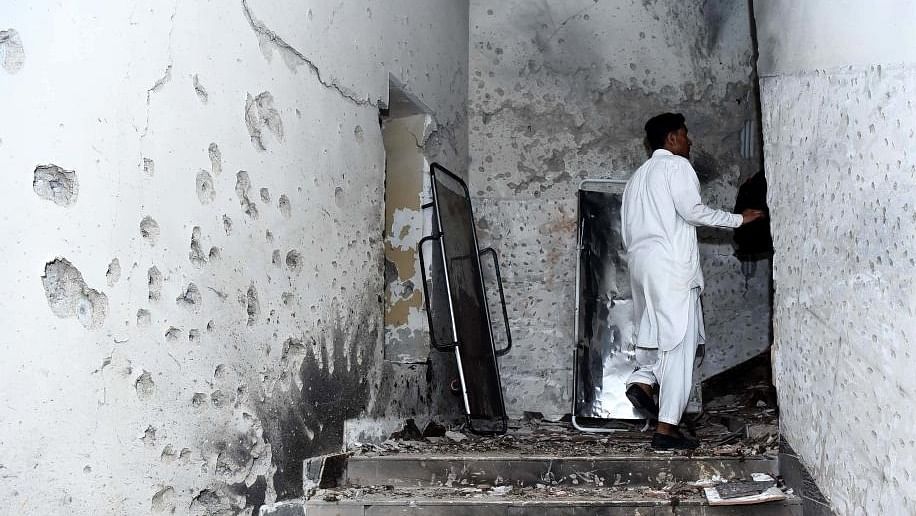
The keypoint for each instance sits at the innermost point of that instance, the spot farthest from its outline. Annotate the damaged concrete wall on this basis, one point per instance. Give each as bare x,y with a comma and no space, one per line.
559,91
837,83
193,224
406,191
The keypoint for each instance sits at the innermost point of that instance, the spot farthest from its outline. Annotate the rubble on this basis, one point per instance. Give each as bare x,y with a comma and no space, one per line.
731,425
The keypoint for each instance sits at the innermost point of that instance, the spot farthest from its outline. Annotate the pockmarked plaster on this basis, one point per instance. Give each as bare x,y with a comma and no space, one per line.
194,212
560,91
838,147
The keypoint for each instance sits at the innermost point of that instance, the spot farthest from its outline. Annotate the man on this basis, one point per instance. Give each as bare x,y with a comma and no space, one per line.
661,209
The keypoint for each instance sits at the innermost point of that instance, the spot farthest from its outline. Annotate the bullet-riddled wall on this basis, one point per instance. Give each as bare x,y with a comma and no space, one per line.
193,218
559,91
837,83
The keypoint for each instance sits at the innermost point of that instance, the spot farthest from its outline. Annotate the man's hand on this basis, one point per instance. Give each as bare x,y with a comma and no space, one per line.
751,216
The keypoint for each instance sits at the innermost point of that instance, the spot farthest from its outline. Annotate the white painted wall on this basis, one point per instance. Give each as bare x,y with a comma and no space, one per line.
283,341
838,125
560,90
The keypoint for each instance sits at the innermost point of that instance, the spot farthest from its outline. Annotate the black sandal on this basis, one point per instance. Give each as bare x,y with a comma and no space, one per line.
642,401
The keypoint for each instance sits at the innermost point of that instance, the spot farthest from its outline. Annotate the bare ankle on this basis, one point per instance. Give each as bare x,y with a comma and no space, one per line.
667,429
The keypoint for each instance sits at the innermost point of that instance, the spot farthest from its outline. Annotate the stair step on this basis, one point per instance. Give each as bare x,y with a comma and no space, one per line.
596,502
528,471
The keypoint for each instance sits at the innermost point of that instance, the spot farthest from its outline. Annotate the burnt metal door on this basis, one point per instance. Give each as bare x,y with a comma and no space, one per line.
604,353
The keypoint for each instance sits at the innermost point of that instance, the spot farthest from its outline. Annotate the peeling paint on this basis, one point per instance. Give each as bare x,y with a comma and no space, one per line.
11,50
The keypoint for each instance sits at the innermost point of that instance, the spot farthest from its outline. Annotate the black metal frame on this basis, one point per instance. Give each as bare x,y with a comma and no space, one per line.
439,235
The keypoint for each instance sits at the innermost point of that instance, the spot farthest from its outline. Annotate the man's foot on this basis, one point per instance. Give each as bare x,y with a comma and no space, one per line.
642,400
673,442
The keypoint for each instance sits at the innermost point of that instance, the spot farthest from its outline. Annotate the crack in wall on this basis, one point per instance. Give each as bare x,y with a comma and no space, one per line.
263,31
562,24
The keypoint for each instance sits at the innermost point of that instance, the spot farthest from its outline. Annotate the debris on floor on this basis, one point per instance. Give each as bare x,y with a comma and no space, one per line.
762,488
729,427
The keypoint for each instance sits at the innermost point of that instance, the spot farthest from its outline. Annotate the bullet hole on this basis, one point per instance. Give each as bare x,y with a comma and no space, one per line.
190,299
11,50
218,399
164,501
265,195
87,469
216,159
154,282
260,112
285,208
149,230
144,318
253,307
200,90
276,258
294,260
292,348
52,183
113,274
358,134
149,167
227,225
184,455
242,186
205,191
220,371
146,387
69,296
168,454
339,196
214,253
194,335
210,326
269,236
149,436
173,334
196,255
199,399
288,298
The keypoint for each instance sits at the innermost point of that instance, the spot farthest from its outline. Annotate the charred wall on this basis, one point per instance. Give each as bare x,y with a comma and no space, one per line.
559,91
194,212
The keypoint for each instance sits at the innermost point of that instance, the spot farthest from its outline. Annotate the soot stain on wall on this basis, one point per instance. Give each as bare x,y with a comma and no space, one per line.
309,421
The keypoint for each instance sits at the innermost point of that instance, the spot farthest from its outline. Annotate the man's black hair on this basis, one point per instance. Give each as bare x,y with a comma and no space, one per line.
658,127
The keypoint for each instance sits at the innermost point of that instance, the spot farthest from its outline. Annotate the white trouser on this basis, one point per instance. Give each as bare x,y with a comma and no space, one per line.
671,370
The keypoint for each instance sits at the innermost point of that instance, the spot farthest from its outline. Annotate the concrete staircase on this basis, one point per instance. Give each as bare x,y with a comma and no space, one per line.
516,485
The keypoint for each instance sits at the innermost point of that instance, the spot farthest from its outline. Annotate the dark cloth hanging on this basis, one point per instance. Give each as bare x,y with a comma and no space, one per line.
753,241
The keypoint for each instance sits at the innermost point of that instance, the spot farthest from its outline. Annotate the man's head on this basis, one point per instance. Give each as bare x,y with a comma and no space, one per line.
667,131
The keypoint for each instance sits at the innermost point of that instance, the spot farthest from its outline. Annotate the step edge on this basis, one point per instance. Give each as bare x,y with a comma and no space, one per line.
540,458
438,502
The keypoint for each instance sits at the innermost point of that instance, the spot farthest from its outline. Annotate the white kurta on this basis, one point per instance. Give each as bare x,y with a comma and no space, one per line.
661,209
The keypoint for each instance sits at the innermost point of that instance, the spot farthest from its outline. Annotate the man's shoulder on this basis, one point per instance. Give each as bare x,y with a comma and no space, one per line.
665,164
670,159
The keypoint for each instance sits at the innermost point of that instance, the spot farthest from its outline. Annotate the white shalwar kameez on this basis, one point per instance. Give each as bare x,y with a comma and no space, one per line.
660,212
